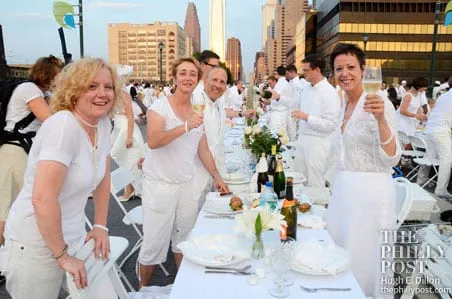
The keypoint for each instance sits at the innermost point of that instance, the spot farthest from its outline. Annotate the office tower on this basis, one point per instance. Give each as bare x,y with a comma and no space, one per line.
234,58
268,15
138,45
192,28
217,27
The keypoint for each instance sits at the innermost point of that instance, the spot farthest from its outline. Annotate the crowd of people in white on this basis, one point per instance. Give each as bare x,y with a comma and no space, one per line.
44,191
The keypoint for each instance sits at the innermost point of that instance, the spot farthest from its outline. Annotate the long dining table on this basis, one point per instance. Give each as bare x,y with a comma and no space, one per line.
192,282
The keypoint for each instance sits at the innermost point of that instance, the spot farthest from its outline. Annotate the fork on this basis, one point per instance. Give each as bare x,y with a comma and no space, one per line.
314,290
242,269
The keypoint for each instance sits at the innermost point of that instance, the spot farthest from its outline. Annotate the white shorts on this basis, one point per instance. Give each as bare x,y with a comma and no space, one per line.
169,214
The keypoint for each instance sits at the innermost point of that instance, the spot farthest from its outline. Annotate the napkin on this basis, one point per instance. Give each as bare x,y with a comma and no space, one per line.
214,248
311,221
321,256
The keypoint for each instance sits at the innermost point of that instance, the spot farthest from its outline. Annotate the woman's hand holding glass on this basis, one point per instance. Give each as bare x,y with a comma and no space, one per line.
198,105
194,121
298,114
375,104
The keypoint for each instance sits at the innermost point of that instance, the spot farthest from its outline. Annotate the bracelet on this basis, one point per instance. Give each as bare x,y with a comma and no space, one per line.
186,126
61,253
101,227
388,141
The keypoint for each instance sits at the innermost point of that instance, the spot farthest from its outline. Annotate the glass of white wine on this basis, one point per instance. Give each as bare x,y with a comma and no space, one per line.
198,105
372,79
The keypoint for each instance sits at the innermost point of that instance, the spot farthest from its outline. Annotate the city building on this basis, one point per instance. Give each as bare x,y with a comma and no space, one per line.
138,45
217,27
396,35
260,69
191,26
268,15
234,58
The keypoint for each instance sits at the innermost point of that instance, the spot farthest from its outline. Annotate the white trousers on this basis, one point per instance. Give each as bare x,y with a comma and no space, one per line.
32,272
439,146
311,158
362,207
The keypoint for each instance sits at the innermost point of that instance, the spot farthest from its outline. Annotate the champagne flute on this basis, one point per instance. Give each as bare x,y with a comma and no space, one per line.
198,105
372,79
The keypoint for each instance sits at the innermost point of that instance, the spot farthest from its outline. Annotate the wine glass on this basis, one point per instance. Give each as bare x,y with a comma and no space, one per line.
281,261
198,105
372,79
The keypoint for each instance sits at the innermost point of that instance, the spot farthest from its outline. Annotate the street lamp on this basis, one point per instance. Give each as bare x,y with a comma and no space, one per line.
161,62
365,39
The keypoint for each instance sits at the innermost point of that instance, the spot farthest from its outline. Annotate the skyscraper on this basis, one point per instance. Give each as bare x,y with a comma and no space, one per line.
191,26
217,27
268,15
234,58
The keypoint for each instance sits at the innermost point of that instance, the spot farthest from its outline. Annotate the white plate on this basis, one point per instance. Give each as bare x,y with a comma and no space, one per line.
316,256
214,250
220,206
236,178
298,177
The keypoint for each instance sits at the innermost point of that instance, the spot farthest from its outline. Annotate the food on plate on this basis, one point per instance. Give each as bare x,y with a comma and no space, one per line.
236,203
304,207
255,203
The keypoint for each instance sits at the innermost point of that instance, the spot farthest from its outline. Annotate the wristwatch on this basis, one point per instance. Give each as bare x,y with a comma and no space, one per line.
240,114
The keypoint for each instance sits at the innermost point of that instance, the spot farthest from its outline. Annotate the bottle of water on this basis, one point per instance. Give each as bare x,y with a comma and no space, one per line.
268,197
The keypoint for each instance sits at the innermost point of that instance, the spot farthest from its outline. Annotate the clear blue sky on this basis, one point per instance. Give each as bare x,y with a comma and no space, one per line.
30,31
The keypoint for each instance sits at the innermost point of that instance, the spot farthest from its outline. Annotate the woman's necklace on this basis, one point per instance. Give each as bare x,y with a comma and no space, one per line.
80,118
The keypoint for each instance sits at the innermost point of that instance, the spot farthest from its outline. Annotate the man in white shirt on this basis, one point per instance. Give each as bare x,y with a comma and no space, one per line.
438,131
296,86
214,122
318,116
235,96
401,90
282,101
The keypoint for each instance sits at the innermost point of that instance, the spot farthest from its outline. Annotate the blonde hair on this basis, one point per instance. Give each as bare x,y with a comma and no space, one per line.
179,61
74,81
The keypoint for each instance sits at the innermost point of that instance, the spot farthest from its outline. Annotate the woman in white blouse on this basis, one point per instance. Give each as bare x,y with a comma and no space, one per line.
410,112
363,197
69,160
174,138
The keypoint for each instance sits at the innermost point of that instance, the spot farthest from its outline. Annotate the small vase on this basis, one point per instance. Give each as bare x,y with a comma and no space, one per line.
258,247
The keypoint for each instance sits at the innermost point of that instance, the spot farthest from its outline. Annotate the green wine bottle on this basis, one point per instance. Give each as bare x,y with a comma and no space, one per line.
289,210
279,179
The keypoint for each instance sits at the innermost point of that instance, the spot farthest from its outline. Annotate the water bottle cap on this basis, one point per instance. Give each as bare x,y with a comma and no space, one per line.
268,184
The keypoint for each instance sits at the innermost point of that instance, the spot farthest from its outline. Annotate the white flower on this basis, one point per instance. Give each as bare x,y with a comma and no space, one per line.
246,221
256,129
284,139
248,130
259,111
281,132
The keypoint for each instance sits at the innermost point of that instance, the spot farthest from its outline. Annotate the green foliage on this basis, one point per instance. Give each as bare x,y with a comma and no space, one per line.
258,224
262,142
197,55
228,71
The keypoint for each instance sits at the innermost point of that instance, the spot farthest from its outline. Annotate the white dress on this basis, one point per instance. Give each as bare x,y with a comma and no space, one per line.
363,197
405,123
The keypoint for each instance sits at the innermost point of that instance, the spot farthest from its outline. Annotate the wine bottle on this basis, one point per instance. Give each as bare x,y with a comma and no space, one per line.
279,179
262,176
289,210
272,163
264,94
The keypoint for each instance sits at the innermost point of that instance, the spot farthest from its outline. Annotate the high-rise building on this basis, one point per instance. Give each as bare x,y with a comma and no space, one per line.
399,35
234,58
138,45
191,26
268,15
260,69
217,27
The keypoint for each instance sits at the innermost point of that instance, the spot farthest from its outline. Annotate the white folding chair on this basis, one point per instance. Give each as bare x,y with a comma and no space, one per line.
99,271
405,140
419,144
120,178
117,247
404,199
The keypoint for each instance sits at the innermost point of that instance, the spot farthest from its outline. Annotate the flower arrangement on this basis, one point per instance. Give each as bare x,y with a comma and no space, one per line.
260,140
257,220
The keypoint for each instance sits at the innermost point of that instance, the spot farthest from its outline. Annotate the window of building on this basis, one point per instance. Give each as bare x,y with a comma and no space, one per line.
161,32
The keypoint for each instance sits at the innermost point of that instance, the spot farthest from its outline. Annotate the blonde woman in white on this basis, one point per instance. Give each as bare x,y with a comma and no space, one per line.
127,141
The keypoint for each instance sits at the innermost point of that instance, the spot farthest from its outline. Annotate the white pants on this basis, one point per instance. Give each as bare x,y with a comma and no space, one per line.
278,120
362,206
311,158
439,146
169,214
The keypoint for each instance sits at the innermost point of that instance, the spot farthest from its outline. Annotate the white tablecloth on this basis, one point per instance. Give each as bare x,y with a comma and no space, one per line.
192,282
